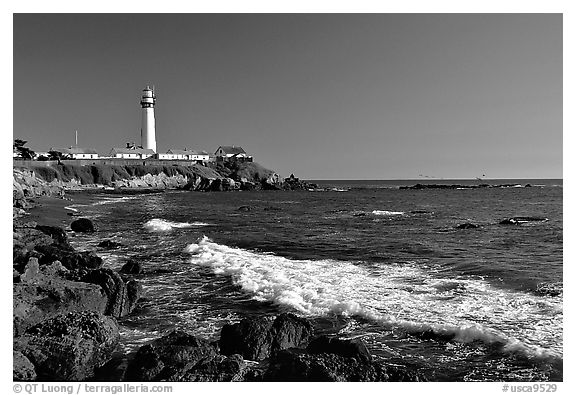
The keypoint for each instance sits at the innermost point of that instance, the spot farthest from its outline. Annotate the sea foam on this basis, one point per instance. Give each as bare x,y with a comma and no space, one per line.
161,225
395,296
387,213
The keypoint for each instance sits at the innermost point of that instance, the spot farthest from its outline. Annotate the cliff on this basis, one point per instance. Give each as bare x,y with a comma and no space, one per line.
34,181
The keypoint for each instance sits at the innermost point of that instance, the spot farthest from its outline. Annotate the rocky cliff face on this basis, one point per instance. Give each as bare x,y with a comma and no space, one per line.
217,177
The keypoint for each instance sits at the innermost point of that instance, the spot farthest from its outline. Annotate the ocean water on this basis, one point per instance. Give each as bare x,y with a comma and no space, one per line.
361,259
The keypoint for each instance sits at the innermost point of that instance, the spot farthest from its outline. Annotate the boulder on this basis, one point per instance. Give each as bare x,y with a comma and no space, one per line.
70,258
45,296
300,365
121,296
467,225
218,368
109,244
131,267
58,234
22,368
521,220
244,208
353,348
69,347
170,357
83,225
258,338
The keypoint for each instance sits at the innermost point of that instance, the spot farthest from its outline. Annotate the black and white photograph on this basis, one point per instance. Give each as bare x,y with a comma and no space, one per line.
286,197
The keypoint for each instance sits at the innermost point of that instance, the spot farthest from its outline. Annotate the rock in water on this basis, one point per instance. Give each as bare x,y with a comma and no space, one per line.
83,225
521,220
110,244
69,347
258,338
131,267
122,297
467,225
169,357
353,348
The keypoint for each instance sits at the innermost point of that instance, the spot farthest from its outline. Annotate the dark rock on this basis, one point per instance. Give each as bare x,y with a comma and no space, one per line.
48,296
69,347
24,242
299,365
169,357
131,267
121,297
467,225
70,258
83,225
550,289
258,338
419,212
218,368
58,234
110,244
353,348
244,208
521,220
360,214
22,368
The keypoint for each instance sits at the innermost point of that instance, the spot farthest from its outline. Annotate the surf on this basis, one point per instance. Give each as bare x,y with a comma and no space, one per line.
402,296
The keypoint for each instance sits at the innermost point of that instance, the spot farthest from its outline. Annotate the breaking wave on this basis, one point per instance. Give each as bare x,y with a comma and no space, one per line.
395,296
161,225
387,213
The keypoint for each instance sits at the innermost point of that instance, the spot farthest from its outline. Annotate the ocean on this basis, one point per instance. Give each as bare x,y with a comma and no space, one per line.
360,259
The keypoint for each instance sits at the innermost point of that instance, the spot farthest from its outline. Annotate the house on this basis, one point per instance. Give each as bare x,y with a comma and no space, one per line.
231,153
77,153
185,154
131,153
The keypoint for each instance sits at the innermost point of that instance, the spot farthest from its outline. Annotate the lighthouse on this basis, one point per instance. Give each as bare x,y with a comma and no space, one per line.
148,131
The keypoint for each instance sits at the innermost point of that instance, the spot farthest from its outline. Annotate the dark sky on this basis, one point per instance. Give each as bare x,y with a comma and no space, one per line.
325,96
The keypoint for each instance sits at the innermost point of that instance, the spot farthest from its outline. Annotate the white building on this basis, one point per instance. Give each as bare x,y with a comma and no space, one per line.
131,153
77,153
148,130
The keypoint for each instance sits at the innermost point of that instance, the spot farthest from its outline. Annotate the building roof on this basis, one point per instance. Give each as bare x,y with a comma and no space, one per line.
74,150
147,151
186,152
231,150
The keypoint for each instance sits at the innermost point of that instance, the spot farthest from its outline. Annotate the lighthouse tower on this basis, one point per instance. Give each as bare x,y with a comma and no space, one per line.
148,131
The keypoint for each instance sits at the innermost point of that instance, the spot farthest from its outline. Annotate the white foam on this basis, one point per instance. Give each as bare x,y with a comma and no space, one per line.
71,208
161,225
404,296
387,213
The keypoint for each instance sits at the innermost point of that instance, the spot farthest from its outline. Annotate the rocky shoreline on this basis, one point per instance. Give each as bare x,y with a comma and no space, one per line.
66,306
67,302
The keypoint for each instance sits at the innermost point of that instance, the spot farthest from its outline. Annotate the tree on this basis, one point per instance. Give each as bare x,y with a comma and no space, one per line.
23,152
55,155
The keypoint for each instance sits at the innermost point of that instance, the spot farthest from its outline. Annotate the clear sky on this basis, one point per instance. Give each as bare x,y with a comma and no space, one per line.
323,96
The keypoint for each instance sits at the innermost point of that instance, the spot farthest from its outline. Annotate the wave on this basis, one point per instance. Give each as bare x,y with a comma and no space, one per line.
387,213
161,225
394,296
110,200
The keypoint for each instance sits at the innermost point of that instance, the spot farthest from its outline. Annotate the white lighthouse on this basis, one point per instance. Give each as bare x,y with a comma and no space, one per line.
148,131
